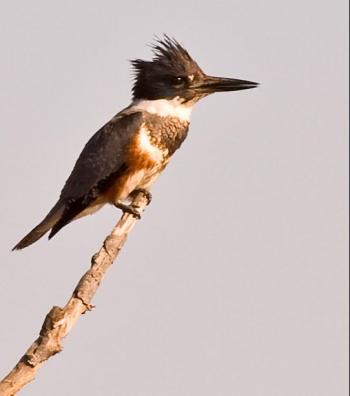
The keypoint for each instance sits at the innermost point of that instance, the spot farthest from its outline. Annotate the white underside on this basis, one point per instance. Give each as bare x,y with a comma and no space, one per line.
133,182
165,108
145,144
145,178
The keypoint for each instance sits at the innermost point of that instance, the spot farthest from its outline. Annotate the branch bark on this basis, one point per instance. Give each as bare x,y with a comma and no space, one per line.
59,321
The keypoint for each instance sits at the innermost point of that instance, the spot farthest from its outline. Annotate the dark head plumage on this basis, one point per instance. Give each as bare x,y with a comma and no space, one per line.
173,73
155,78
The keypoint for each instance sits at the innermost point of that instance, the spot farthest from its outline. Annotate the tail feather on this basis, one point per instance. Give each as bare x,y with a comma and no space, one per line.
41,229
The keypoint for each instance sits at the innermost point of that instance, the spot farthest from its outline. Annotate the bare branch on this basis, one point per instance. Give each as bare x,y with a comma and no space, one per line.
59,321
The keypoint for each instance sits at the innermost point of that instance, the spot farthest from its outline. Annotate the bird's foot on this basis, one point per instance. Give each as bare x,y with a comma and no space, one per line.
134,209
128,209
145,192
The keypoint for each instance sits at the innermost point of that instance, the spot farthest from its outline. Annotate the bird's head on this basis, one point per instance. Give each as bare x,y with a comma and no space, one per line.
172,73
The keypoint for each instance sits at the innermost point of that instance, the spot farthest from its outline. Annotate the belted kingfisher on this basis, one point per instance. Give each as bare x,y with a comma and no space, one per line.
128,153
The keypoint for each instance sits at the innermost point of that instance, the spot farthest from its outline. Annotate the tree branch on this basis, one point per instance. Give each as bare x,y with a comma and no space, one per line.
59,321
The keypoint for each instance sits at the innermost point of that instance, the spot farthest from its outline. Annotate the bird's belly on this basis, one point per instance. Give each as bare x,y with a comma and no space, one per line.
145,161
91,209
130,181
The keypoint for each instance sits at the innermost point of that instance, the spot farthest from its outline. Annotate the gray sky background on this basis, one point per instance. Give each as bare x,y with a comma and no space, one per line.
235,281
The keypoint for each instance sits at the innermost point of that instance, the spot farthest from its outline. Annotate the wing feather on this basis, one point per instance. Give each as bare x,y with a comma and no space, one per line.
103,155
101,162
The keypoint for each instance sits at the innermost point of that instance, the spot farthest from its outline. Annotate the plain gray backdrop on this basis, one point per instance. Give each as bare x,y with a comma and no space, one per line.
235,281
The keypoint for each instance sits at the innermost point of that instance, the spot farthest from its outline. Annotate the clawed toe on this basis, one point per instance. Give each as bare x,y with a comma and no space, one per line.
133,209
128,209
145,192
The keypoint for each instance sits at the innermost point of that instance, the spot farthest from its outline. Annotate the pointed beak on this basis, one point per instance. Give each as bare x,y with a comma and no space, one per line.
210,84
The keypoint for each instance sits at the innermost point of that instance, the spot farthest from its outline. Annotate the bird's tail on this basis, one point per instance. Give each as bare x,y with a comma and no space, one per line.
41,229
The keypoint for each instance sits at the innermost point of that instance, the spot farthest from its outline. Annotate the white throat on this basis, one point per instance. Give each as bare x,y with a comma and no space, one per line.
165,108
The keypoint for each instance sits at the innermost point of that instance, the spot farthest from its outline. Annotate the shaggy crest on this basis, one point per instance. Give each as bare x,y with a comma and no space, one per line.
170,60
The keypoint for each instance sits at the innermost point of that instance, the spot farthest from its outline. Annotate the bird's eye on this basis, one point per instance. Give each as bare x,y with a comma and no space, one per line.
179,81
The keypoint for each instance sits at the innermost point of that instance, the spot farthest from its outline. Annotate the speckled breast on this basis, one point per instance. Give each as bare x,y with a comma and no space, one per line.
166,133
148,154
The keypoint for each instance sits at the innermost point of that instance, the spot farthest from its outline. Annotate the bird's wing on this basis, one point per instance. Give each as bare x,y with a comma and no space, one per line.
103,155
100,162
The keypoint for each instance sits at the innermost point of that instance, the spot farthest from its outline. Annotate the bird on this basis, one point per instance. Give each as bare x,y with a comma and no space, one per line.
130,151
